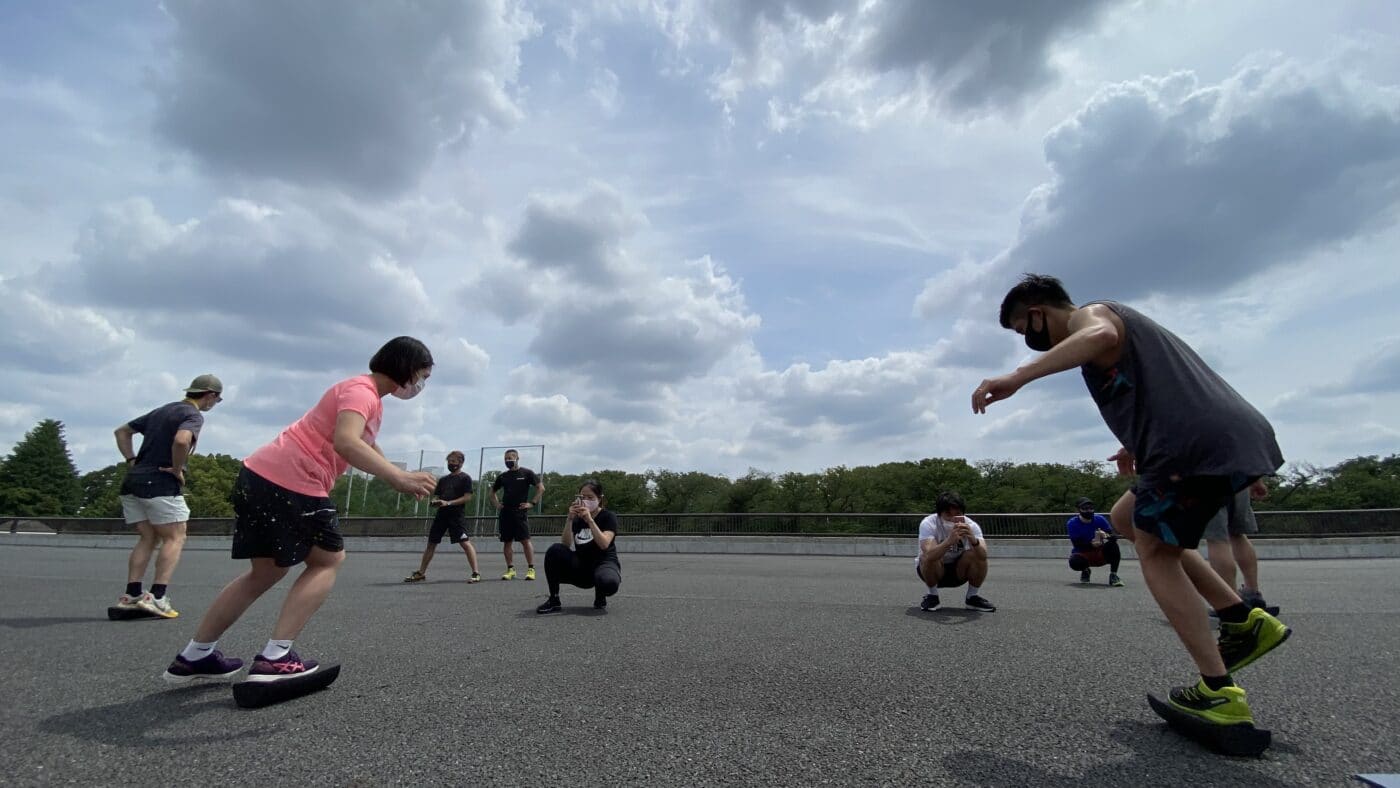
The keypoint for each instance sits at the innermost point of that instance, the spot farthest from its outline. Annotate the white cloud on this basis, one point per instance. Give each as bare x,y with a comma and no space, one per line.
314,93
1163,185
276,286
40,335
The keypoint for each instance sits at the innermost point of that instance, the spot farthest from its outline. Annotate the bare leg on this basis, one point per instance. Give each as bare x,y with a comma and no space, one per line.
427,558
1222,560
932,570
172,543
141,554
470,550
237,597
1122,516
1175,587
973,569
1243,550
1214,590
308,593
529,552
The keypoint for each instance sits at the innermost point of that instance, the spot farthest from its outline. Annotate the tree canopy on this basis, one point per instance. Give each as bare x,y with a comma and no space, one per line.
38,478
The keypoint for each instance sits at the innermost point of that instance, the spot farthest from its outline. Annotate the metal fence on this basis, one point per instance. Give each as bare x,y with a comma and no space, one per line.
1359,522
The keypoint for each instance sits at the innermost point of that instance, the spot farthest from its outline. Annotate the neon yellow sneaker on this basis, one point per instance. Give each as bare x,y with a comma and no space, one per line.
530,573
1225,706
1242,644
510,573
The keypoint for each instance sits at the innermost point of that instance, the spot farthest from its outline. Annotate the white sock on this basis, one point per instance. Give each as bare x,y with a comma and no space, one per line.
933,590
973,590
197,651
276,649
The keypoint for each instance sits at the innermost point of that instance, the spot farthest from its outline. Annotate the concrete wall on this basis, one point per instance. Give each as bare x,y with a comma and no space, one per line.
1056,549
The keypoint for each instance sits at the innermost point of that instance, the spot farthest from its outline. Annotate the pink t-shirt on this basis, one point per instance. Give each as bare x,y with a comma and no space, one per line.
303,458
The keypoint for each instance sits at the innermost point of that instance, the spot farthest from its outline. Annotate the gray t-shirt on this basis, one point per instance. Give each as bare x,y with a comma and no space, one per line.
1174,413
158,428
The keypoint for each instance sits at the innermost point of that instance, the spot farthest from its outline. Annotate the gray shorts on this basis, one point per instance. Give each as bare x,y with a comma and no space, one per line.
1234,519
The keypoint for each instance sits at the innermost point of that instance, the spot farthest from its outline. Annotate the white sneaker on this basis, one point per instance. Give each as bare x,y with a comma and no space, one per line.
127,602
156,607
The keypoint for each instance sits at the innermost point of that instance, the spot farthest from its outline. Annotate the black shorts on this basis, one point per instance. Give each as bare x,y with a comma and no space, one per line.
514,525
1178,512
271,521
457,526
949,578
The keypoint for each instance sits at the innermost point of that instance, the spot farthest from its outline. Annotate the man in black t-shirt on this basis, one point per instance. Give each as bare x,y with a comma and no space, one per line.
450,499
514,510
152,493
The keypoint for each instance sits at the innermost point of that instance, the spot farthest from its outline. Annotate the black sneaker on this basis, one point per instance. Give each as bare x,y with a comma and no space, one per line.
1085,575
550,605
930,602
600,602
978,603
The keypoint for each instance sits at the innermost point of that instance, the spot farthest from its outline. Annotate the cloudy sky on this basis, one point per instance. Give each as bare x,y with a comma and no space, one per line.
699,234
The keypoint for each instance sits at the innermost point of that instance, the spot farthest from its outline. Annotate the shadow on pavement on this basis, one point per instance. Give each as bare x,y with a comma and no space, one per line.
1094,586
946,615
1156,751
155,721
53,621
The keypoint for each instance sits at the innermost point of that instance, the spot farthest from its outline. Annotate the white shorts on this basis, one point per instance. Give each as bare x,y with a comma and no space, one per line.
165,510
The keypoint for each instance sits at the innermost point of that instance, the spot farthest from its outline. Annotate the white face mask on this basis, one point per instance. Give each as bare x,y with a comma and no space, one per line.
411,390
590,504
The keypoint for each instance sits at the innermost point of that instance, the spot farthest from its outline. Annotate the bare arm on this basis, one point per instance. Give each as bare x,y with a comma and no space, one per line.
568,538
600,537
1093,338
932,549
124,433
349,443
180,449
539,493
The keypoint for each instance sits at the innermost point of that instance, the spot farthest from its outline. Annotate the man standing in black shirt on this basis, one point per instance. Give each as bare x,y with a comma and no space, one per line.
152,493
450,499
514,511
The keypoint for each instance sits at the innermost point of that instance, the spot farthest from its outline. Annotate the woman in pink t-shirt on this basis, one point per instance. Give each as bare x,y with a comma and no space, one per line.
284,515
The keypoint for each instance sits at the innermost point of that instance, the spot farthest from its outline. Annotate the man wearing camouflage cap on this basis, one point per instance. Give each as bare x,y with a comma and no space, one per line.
152,493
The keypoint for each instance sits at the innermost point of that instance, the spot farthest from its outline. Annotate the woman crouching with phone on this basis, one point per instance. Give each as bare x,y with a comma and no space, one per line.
585,555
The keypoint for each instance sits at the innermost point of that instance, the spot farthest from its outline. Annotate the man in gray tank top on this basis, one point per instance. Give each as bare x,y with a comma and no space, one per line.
1191,440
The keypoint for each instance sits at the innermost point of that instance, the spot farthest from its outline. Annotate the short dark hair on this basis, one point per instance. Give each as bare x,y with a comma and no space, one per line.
597,488
511,451
949,501
455,453
1033,290
400,359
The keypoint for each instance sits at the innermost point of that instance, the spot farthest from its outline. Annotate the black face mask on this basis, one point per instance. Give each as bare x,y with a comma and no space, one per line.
510,464
454,466
1038,341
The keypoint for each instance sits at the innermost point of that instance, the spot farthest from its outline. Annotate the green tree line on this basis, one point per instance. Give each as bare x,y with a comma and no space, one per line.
38,478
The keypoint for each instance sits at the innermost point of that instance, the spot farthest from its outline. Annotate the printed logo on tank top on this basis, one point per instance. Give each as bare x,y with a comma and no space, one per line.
583,537
1111,385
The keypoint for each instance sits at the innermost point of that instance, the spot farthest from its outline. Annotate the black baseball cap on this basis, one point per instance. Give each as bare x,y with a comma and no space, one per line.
1083,503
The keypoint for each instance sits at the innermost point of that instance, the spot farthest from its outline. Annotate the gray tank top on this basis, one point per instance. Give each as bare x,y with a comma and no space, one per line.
1174,413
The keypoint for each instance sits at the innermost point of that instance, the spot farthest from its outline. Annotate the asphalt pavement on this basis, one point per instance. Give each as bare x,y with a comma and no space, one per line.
704,670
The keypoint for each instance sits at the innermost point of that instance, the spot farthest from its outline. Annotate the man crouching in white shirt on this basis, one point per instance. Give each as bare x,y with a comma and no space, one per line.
952,552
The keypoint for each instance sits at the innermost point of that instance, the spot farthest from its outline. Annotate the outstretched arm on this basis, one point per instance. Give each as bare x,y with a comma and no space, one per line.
1093,336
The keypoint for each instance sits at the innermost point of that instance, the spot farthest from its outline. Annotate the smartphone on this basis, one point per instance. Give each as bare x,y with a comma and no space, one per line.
578,500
